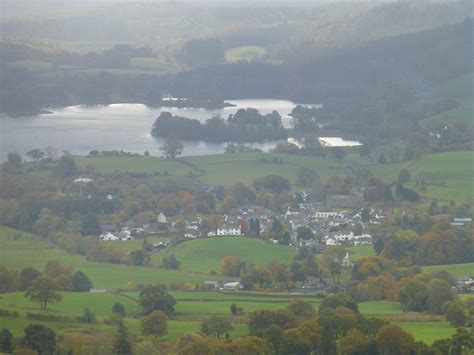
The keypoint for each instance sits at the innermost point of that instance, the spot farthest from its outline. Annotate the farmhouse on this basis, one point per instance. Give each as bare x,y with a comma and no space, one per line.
108,236
229,230
232,286
162,218
83,180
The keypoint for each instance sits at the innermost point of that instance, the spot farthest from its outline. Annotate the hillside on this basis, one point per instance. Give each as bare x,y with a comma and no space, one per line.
204,255
448,175
28,250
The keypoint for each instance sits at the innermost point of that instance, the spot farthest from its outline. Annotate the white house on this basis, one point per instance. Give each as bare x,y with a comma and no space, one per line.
232,286
191,233
162,218
83,180
346,261
229,230
108,236
325,215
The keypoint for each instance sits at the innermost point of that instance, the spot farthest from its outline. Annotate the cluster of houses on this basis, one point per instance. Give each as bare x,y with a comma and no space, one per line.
192,231
111,232
465,284
339,221
460,222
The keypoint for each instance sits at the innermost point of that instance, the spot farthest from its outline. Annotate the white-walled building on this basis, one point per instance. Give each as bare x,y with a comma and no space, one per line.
229,230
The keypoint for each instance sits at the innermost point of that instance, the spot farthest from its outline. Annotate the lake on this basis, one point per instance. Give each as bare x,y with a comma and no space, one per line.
80,129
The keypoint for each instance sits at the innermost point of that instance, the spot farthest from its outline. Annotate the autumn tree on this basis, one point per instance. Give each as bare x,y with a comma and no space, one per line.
42,290
354,343
153,298
6,341
139,258
122,344
27,276
236,309
392,340
40,338
80,282
301,308
293,342
119,309
172,148
47,224
171,262
455,314
216,326
8,279
231,266
438,292
156,323
337,300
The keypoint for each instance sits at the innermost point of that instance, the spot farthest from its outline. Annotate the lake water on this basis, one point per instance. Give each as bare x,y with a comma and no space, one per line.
80,129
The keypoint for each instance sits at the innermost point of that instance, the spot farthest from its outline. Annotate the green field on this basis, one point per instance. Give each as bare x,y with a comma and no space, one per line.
192,307
226,169
428,332
204,255
450,174
134,164
460,89
244,53
131,245
466,269
31,251
222,169
198,257
361,251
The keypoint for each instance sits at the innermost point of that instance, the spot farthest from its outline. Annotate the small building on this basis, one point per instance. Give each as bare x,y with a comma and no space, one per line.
98,290
191,233
346,261
162,218
83,180
229,230
232,286
107,236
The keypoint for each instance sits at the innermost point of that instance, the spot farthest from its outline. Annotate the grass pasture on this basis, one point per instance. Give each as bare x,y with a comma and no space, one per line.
466,269
31,251
362,251
192,308
139,164
449,175
428,332
226,169
204,255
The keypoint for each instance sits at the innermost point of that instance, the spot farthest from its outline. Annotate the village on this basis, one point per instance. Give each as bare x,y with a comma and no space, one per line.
340,221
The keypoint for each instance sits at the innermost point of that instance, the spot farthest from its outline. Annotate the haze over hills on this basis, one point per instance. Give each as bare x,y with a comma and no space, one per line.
234,177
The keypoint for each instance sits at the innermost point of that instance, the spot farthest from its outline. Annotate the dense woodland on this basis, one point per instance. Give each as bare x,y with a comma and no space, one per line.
244,126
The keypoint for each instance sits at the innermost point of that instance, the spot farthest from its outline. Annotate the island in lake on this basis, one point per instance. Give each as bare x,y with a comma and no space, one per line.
245,125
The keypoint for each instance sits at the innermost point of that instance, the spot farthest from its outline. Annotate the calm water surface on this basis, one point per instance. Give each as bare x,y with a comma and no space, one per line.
80,129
